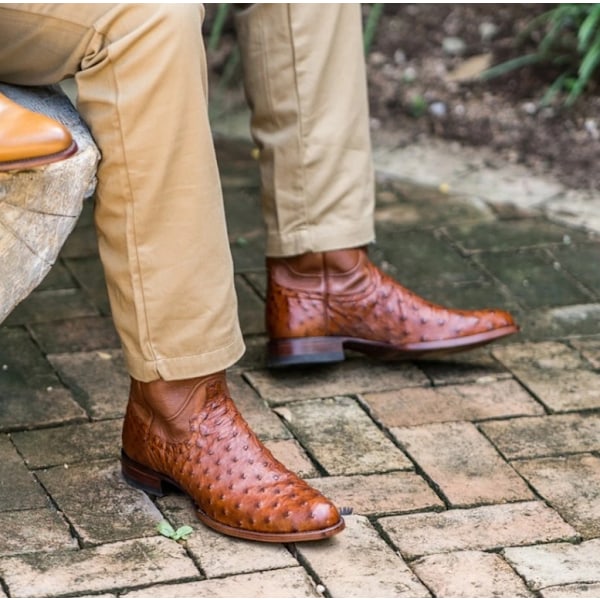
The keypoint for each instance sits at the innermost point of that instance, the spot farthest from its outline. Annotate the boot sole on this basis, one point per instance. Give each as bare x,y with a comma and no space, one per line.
38,161
329,349
150,481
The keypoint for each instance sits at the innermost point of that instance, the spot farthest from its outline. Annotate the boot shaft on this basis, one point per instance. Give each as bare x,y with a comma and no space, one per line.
299,289
164,408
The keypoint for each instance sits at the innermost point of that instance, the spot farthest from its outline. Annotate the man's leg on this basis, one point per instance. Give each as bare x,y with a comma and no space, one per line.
141,80
304,77
305,81
159,211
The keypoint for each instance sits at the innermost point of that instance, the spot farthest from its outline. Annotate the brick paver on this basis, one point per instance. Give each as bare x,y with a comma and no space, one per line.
291,454
562,322
471,475
69,444
482,528
24,407
99,379
219,555
553,435
79,334
341,437
350,377
462,463
555,373
104,568
557,564
19,489
576,590
281,583
571,485
37,530
590,349
263,421
361,564
50,305
470,574
385,493
475,366
487,399
22,362
99,504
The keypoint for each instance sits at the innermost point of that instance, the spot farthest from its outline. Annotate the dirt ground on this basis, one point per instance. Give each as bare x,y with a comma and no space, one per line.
422,70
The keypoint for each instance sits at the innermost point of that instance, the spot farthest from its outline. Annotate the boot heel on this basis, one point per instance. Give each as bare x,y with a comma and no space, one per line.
142,478
305,351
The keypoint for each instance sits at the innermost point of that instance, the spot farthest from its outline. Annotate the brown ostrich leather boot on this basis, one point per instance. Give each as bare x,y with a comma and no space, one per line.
29,139
320,303
190,434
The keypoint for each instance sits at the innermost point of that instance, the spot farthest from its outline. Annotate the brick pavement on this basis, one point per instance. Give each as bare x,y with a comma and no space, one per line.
475,476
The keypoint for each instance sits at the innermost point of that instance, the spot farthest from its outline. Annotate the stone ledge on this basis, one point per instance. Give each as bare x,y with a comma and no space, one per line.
39,207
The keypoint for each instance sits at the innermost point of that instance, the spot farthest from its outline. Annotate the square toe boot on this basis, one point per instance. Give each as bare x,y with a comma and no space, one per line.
189,434
29,139
320,303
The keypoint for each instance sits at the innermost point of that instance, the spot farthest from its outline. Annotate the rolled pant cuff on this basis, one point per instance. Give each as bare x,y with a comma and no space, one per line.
316,239
185,367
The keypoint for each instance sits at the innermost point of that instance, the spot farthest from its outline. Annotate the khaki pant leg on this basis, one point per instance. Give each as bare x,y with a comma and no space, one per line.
304,75
141,80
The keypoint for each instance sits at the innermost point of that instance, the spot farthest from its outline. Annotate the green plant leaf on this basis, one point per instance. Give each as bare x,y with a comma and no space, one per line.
588,65
511,65
371,25
588,27
535,22
590,61
417,107
217,28
165,528
183,532
558,85
570,43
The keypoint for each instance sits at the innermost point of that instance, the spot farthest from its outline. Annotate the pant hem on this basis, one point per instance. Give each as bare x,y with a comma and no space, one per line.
186,367
316,239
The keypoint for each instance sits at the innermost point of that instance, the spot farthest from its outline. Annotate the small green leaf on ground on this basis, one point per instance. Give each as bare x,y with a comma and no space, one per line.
182,533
